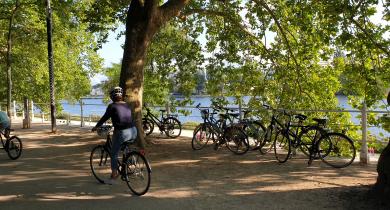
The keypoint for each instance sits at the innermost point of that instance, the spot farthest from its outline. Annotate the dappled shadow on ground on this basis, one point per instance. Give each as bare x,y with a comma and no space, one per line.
54,173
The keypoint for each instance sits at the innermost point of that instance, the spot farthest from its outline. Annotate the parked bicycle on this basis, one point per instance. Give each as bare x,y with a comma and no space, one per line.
253,128
11,144
233,137
170,124
134,168
334,149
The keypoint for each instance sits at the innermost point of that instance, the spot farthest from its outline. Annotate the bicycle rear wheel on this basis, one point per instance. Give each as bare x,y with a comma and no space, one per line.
282,147
100,162
255,132
147,126
236,140
137,173
172,127
336,150
13,146
201,137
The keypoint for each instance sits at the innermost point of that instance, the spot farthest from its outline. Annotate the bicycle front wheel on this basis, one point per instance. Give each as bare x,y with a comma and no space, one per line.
307,139
336,150
14,147
282,147
267,143
100,162
201,137
137,173
236,140
172,127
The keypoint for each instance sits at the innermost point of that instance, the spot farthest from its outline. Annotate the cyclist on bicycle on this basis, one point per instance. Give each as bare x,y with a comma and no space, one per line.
124,128
4,121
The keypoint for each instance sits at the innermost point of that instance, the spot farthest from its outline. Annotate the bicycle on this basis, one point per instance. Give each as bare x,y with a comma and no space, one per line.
254,129
170,124
334,149
12,145
233,137
270,134
133,168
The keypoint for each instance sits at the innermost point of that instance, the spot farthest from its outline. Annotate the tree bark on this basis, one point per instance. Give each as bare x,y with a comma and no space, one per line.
382,185
9,61
139,31
144,19
9,58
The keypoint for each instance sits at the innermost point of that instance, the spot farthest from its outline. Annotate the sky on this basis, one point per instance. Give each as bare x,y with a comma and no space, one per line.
111,52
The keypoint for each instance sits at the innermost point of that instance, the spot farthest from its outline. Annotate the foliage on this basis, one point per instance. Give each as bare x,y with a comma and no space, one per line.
289,54
75,58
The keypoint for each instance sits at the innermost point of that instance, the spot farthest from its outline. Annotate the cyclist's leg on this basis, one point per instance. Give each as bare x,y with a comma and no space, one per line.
117,140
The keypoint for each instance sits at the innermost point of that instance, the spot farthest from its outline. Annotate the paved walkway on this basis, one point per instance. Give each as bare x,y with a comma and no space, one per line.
53,173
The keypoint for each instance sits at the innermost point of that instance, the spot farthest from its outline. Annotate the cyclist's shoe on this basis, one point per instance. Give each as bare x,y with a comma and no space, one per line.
142,151
310,162
216,146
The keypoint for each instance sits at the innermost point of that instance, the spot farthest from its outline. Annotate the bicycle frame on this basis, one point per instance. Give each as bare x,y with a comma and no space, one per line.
150,116
3,134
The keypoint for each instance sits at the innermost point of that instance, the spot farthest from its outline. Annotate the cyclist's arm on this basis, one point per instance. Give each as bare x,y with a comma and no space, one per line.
104,118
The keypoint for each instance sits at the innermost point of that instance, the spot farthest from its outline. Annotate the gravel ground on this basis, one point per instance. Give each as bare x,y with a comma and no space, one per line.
53,173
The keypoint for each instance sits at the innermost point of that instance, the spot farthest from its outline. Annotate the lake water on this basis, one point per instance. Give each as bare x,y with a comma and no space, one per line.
96,106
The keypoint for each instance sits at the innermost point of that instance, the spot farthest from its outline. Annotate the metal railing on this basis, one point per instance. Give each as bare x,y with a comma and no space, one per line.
83,119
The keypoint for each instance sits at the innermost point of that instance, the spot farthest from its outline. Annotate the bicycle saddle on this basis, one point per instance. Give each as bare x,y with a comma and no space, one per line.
162,110
301,117
320,121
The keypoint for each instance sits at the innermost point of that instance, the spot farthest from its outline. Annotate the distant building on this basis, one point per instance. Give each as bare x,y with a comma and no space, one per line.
97,90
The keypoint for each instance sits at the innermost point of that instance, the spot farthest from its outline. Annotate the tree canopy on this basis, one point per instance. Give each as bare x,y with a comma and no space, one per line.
293,53
75,57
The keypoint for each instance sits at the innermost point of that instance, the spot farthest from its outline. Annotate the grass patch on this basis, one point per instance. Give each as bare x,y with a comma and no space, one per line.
189,125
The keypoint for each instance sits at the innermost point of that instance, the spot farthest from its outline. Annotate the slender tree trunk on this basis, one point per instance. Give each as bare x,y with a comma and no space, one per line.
9,59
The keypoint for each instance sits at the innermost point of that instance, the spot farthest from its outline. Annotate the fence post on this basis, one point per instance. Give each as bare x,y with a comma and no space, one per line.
32,110
68,119
14,110
82,116
364,158
167,108
240,107
26,114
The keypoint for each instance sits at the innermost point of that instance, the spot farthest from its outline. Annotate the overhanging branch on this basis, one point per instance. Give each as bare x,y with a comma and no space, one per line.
368,36
232,20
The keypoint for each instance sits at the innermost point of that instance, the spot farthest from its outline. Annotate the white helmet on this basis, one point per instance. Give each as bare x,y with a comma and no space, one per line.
116,92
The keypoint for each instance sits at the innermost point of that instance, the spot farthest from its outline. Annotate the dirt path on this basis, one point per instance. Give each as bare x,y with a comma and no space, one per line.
54,173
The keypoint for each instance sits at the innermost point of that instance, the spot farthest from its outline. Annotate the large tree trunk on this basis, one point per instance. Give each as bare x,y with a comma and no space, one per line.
144,19
139,32
382,185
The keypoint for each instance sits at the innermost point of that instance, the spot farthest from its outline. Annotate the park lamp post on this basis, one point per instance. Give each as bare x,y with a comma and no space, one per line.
51,70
